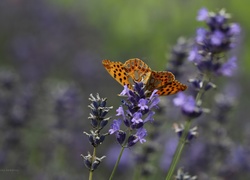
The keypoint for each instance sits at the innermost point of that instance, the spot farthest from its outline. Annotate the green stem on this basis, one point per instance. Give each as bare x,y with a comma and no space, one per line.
182,141
93,158
178,150
116,164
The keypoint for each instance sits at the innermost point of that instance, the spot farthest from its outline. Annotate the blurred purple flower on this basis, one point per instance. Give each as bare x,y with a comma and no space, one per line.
234,29
228,68
239,158
188,105
201,35
202,14
220,35
168,153
194,55
149,117
126,161
217,38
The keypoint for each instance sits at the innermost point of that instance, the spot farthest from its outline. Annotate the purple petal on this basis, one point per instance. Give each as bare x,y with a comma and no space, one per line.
201,34
217,38
120,112
149,117
115,126
143,104
194,55
235,29
189,105
125,91
180,99
140,135
228,68
202,14
137,118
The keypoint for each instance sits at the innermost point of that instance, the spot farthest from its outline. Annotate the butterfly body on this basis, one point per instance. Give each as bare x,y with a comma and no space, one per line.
135,70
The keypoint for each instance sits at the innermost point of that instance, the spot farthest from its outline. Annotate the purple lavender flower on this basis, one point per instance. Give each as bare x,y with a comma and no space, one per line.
188,105
140,135
217,38
143,104
125,91
137,118
209,43
149,117
201,35
115,126
194,55
139,110
228,68
98,120
120,112
234,29
209,51
202,14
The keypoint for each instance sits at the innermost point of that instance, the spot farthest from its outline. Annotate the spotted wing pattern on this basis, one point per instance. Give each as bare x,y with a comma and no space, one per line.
171,88
117,71
158,79
135,70
165,82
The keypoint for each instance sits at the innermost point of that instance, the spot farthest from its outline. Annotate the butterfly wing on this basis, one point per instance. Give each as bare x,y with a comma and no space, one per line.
137,71
117,71
165,83
171,88
158,79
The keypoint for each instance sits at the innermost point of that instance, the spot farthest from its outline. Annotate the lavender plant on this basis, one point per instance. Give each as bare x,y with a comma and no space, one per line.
136,111
210,56
98,121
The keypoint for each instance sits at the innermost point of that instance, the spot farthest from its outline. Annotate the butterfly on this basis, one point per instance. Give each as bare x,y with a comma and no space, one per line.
135,70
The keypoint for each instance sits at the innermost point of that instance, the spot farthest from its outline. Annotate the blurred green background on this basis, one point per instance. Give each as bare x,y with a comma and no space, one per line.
50,49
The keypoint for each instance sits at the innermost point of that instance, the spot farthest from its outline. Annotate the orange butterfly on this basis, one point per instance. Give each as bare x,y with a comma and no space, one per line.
135,70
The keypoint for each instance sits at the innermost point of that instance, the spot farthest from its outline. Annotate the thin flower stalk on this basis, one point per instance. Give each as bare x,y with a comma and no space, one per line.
208,54
136,111
98,121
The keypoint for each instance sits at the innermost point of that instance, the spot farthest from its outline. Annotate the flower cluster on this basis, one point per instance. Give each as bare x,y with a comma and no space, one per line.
98,121
210,53
210,43
139,111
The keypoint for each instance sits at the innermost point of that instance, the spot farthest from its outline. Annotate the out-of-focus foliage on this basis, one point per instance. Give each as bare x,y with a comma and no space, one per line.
51,52
148,28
